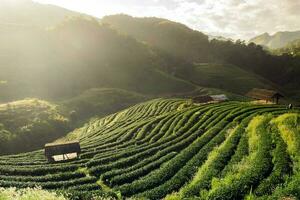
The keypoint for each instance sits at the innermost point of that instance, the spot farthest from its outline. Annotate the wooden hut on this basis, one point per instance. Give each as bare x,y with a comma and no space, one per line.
264,94
62,151
202,99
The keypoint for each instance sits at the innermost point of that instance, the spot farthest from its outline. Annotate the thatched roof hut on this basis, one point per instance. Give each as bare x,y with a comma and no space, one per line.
55,149
264,94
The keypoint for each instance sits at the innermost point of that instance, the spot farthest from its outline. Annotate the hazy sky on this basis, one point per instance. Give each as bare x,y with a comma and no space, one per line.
229,18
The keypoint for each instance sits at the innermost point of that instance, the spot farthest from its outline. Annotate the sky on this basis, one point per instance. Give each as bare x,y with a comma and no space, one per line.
237,19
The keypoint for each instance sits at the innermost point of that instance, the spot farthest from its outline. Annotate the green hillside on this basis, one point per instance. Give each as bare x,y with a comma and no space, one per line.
33,122
176,149
182,42
227,77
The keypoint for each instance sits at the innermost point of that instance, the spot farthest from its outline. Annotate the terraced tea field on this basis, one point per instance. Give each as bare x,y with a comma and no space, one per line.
174,149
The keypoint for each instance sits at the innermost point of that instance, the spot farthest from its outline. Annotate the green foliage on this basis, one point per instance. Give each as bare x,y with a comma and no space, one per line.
28,124
88,195
28,194
252,169
281,166
217,159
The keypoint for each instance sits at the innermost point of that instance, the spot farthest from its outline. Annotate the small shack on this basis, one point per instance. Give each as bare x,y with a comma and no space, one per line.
264,94
62,151
202,99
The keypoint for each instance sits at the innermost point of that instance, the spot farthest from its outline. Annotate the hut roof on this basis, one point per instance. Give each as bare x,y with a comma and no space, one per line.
62,148
220,97
202,99
263,94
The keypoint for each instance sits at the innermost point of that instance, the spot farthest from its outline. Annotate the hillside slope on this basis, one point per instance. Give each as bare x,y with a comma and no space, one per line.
26,125
162,146
173,38
82,54
227,77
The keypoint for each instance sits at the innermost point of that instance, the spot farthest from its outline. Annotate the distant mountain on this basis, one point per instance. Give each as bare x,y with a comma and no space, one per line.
213,37
292,48
278,40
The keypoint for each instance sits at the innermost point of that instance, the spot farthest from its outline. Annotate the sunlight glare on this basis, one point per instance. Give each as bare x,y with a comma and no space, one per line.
92,7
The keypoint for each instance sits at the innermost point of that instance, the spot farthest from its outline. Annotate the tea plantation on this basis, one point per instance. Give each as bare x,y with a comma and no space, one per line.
174,149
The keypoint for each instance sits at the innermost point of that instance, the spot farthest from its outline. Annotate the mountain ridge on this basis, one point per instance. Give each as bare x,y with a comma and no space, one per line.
276,40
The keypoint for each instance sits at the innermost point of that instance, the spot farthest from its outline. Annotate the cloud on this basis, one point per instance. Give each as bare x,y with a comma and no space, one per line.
230,18
242,18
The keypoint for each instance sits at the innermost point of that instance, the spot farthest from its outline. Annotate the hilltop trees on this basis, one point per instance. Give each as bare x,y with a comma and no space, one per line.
28,124
174,38
280,69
